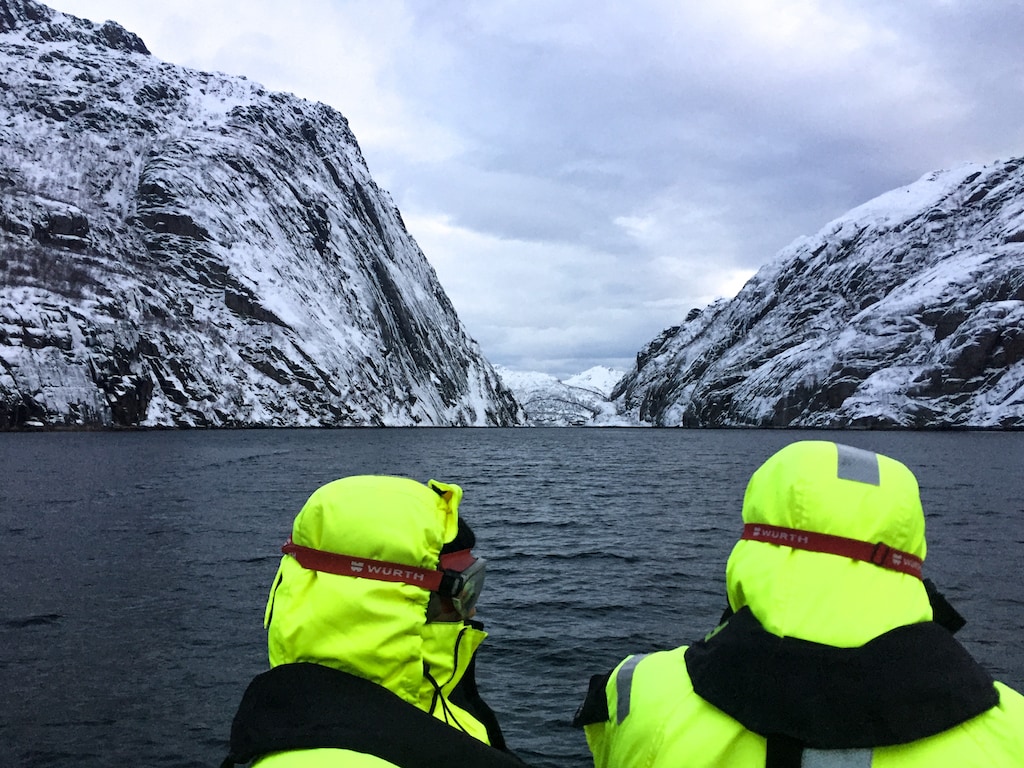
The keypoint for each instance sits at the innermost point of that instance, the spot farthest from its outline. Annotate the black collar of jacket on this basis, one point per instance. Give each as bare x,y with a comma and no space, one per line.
905,685
309,706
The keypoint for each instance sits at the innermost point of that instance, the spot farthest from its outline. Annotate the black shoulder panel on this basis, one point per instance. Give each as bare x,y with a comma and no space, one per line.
594,708
910,683
309,706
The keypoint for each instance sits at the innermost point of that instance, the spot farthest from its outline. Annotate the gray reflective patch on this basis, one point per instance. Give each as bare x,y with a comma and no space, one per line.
858,464
624,686
836,758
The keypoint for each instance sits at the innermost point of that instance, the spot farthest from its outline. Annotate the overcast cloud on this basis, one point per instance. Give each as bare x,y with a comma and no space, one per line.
582,173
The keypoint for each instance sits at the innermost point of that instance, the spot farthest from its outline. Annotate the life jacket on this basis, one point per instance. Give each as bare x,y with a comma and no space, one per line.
296,707
908,684
649,713
830,656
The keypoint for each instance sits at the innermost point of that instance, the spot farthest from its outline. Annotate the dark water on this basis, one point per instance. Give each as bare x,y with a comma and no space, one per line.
136,565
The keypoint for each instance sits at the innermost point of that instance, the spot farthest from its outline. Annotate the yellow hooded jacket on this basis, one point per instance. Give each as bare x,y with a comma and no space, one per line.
833,618
374,633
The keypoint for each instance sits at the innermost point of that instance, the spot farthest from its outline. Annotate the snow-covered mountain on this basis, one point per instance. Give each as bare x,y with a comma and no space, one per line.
906,312
185,248
582,400
600,379
180,248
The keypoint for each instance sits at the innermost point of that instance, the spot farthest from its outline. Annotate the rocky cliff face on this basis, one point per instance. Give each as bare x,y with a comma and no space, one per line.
179,248
906,312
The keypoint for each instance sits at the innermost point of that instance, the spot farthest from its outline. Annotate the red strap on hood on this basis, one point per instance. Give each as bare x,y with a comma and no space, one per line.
879,554
363,567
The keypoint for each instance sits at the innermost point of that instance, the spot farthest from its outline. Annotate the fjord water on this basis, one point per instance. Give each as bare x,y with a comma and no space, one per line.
136,565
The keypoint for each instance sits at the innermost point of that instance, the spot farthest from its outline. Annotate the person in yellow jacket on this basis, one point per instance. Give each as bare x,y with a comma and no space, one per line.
371,637
831,652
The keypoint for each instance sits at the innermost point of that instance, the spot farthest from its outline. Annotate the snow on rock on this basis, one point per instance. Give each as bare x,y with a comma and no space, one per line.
181,248
907,312
582,400
600,379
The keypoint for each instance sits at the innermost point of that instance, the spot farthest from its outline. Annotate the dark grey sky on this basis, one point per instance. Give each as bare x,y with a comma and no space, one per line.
582,173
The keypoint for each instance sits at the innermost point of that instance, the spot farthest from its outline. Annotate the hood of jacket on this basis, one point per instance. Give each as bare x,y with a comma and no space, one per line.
829,488
373,629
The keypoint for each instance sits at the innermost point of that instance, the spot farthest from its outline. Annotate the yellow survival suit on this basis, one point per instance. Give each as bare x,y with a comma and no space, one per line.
359,676
830,656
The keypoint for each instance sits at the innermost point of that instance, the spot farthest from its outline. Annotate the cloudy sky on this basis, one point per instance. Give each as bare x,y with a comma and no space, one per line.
582,173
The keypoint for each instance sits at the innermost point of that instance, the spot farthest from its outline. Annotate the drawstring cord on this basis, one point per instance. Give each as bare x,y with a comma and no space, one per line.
449,715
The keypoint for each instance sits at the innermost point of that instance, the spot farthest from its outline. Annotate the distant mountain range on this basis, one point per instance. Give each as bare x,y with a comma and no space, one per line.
582,400
182,248
186,249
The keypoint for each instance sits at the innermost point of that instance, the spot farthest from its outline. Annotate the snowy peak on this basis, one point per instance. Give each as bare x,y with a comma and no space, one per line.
600,379
906,312
187,248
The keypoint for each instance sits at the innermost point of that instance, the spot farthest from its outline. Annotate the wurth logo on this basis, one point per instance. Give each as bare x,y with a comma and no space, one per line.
398,573
905,563
781,537
355,566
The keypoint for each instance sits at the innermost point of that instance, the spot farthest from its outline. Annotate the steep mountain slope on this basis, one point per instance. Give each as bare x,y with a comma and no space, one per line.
906,312
184,248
